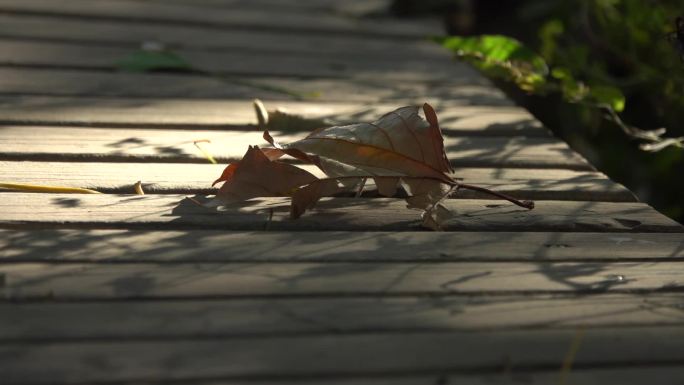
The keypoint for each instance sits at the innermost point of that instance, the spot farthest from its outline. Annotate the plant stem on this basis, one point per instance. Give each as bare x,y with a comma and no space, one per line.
526,203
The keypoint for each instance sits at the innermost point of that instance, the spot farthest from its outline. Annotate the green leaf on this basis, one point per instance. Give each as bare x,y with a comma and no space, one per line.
494,48
501,57
152,60
608,95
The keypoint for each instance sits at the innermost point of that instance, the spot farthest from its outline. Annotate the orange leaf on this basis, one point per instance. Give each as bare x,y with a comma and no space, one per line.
258,176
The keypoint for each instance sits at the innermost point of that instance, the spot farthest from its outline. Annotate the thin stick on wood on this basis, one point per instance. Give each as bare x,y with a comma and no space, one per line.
47,189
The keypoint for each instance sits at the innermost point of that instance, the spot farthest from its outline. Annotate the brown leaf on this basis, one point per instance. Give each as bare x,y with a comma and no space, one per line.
306,197
399,143
424,193
258,176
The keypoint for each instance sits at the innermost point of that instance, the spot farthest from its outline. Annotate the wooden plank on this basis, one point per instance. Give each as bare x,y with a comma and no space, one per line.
191,15
186,178
664,375
86,281
136,145
81,56
27,81
32,81
49,321
187,246
198,37
379,214
455,116
346,7
335,356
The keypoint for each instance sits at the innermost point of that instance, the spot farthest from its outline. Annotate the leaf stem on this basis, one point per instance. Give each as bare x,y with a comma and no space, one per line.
526,203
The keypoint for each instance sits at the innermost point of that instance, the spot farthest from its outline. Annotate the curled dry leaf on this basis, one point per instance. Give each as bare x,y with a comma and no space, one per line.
257,176
400,143
399,149
425,193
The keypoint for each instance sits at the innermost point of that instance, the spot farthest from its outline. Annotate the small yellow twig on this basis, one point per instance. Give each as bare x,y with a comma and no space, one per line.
47,189
204,152
570,356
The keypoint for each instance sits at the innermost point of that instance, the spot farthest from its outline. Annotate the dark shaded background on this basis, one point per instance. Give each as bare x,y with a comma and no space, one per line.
622,44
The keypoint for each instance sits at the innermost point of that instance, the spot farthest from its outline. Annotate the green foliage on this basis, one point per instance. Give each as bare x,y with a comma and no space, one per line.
501,57
608,95
619,55
154,60
622,43
507,58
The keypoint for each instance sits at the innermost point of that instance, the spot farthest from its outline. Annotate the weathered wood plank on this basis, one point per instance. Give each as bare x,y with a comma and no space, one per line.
28,81
86,281
81,56
664,375
455,117
379,214
186,178
198,37
343,7
136,145
32,81
23,322
335,356
86,246
190,15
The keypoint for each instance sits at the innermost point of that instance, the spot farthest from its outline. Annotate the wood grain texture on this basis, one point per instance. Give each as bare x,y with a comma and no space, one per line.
172,296
50,82
167,145
380,214
199,37
335,356
258,19
94,57
188,246
126,281
182,178
455,117
49,321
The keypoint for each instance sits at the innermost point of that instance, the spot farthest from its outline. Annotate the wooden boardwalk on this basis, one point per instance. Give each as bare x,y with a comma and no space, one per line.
119,288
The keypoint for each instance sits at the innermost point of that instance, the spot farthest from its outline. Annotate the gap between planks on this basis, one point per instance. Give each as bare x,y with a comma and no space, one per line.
26,210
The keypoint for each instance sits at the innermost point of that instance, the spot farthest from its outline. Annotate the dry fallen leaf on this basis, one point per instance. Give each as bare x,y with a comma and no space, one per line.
400,143
401,149
257,176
